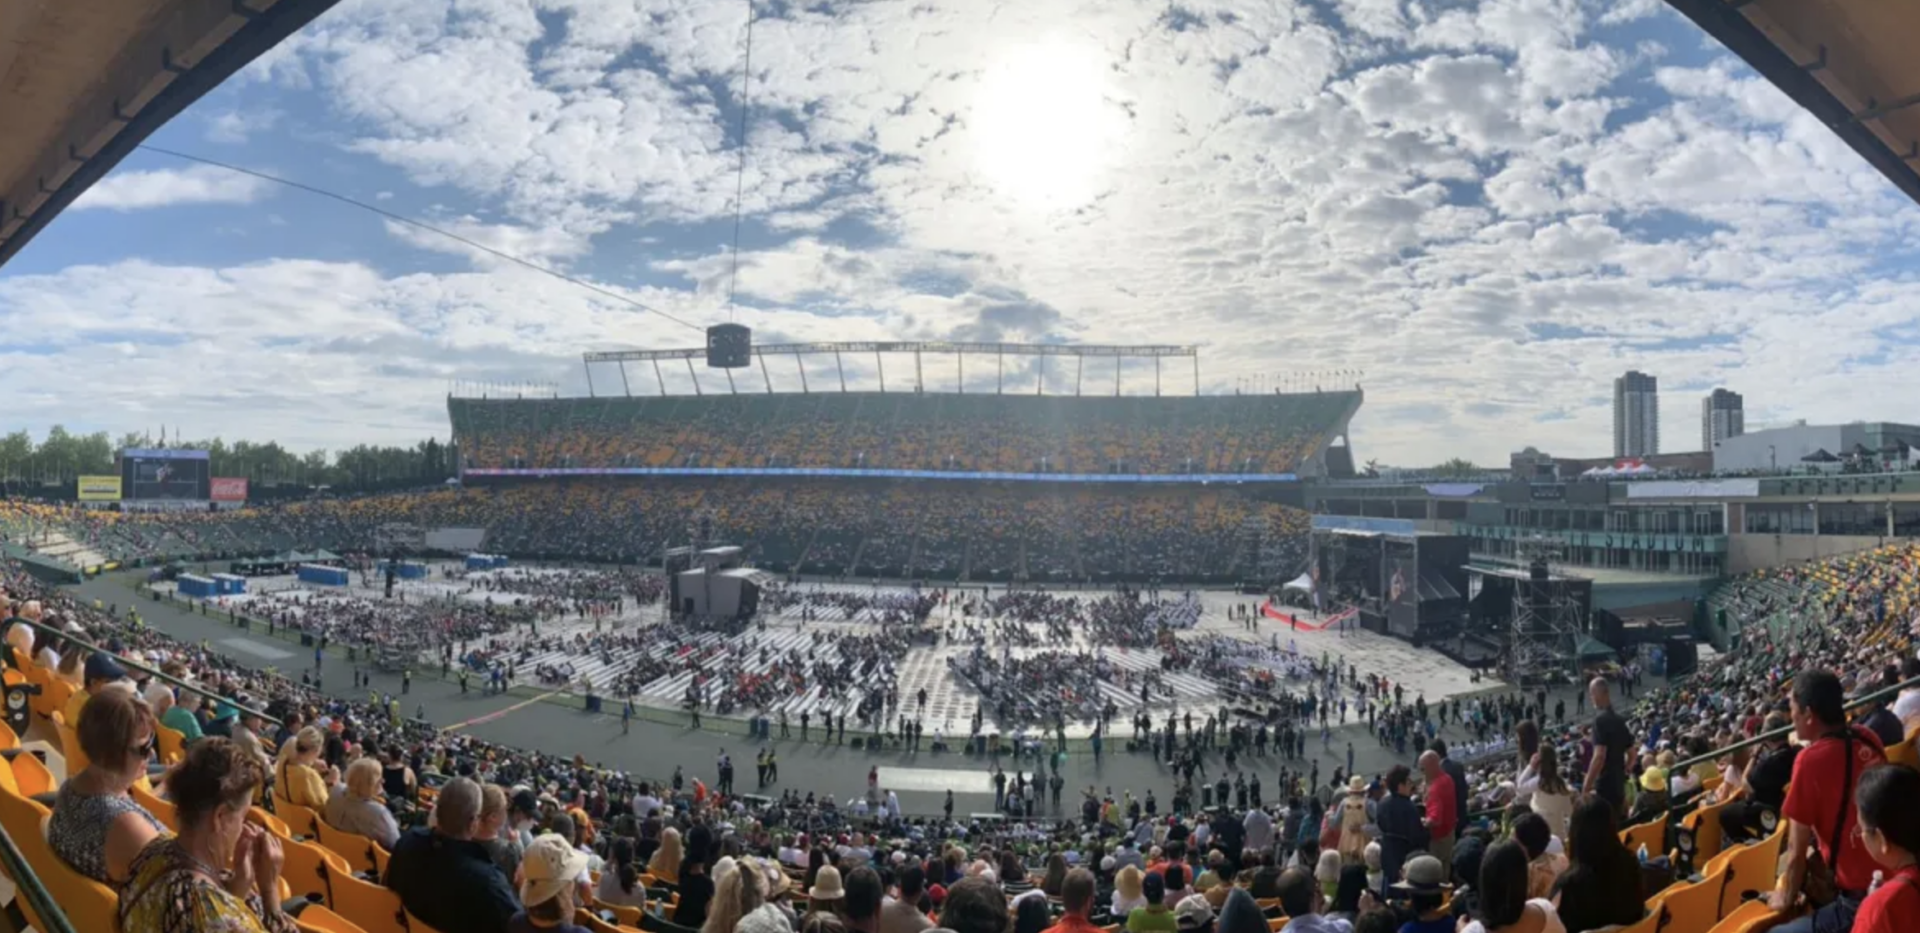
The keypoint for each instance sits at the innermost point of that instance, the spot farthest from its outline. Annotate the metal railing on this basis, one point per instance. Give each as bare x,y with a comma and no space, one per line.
125,661
27,885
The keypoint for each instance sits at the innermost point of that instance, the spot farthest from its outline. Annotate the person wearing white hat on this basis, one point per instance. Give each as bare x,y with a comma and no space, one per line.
826,893
548,872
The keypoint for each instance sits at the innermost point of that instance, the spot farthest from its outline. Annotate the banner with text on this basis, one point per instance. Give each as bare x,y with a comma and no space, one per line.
229,489
97,489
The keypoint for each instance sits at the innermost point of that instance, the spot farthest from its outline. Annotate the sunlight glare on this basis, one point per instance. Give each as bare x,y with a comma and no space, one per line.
1045,126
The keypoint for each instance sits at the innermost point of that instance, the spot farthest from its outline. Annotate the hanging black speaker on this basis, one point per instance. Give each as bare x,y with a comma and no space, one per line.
729,346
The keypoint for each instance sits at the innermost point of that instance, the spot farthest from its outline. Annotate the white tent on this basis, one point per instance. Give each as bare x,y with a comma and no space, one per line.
1304,583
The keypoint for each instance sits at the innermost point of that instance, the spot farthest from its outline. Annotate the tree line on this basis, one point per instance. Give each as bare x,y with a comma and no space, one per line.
56,461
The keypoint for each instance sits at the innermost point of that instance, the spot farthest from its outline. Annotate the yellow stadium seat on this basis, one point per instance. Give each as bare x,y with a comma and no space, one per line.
172,744
592,922
8,738
1750,917
162,810
53,698
316,918
1652,834
88,904
32,776
1904,753
369,906
622,914
1705,824
299,819
1692,908
269,822
76,760
310,869
1751,871
356,849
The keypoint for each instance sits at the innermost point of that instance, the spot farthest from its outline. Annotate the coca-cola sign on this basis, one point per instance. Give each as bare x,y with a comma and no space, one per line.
229,489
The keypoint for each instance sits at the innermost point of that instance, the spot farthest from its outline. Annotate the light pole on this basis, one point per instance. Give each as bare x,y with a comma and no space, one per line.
1773,462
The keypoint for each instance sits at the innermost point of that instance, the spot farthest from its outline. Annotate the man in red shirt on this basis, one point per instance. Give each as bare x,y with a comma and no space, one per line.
1442,809
1820,807
1076,894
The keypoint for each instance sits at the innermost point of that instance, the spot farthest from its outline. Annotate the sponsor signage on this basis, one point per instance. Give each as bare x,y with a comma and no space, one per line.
98,488
229,489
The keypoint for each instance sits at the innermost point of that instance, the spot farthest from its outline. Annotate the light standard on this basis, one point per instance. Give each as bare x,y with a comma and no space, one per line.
1773,463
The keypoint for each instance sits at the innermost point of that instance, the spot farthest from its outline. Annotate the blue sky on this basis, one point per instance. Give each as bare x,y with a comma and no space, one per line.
1490,208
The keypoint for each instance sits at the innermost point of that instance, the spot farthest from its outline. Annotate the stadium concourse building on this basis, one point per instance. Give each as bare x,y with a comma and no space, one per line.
1645,540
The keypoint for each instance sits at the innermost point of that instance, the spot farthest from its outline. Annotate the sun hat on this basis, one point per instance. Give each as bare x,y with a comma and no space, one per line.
548,867
826,885
1423,873
1356,785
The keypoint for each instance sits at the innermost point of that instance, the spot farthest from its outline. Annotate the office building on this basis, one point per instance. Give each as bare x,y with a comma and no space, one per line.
1722,415
1636,415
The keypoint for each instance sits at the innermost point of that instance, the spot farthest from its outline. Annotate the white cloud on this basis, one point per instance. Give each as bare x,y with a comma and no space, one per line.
199,184
1423,191
233,127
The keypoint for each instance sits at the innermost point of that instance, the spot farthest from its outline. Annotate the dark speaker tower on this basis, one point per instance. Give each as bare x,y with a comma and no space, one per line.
729,346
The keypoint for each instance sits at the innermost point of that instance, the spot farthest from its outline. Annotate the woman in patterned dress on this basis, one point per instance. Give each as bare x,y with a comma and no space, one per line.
221,874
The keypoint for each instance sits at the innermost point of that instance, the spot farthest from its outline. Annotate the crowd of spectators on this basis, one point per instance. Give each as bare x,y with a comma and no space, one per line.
986,433
928,529
515,836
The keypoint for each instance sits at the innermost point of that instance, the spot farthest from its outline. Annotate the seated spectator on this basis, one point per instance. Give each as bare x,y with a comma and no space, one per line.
183,716
976,905
102,672
221,874
1653,797
665,864
1076,896
620,882
1602,884
96,826
901,914
1765,780
1890,828
355,806
443,876
1543,866
1156,916
696,891
1906,706
1503,901
1056,875
1300,900
546,888
1030,915
827,895
1127,893
864,896
493,833
1425,893
297,770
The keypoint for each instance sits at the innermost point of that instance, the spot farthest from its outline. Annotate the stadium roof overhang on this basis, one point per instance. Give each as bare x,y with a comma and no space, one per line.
83,83
1853,64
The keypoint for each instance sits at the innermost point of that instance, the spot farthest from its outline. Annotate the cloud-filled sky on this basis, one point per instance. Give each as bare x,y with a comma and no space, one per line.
1490,208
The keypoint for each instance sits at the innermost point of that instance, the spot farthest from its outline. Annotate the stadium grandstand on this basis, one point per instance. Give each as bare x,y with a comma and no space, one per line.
871,431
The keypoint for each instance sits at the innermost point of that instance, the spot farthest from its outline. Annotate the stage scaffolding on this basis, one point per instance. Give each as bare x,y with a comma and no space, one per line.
1543,641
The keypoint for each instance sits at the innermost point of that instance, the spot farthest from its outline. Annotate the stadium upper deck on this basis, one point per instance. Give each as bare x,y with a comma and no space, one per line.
1128,435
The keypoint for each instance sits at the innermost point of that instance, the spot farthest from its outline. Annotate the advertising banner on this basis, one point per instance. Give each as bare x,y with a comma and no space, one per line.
98,489
229,489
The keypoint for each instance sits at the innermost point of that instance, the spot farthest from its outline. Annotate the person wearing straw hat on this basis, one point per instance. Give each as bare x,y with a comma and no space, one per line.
550,870
1353,822
827,894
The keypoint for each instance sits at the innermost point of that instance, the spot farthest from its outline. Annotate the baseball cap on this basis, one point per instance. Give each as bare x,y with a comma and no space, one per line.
548,867
103,666
1193,912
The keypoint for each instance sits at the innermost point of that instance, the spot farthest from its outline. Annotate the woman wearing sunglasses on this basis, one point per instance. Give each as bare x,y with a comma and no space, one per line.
96,826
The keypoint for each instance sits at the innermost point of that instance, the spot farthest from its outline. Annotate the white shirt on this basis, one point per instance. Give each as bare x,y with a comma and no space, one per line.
1907,704
1553,924
644,804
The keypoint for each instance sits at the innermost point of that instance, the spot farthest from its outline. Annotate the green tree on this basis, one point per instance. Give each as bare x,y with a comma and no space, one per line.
1456,467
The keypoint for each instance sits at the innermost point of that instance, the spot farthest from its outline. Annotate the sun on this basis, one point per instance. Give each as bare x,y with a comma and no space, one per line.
1046,126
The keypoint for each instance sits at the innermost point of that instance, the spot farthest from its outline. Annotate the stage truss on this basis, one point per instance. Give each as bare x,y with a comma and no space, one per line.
919,349
1544,640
